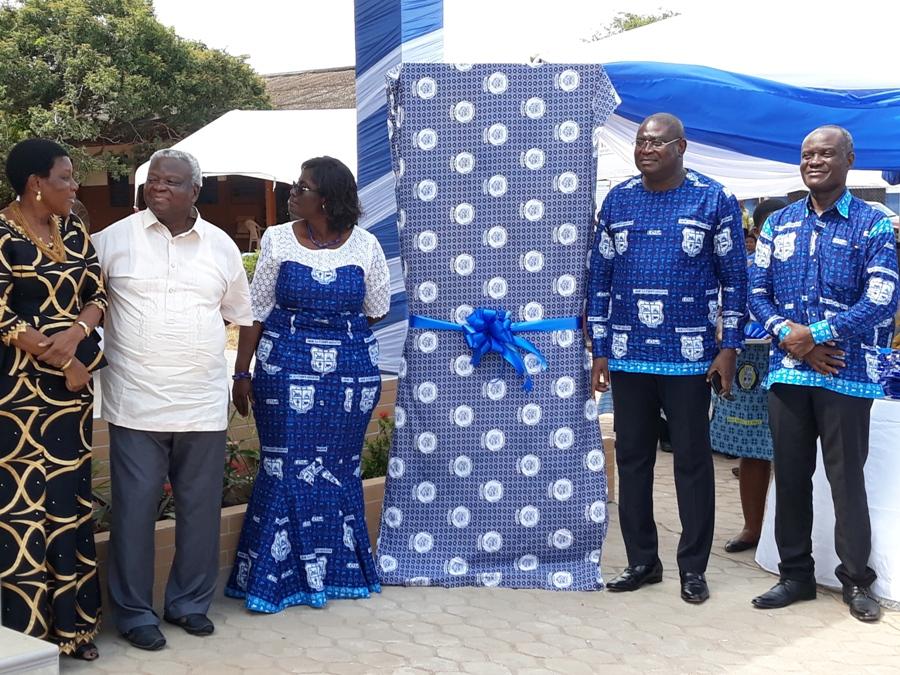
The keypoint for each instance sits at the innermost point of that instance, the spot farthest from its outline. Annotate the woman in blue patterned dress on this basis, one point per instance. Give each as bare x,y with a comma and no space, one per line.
319,283
740,428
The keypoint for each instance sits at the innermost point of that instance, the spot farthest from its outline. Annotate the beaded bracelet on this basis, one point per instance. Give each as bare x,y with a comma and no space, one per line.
242,375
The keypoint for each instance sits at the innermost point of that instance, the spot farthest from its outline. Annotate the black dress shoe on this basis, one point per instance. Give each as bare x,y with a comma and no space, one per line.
784,593
862,605
694,588
195,624
632,578
147,637
737,545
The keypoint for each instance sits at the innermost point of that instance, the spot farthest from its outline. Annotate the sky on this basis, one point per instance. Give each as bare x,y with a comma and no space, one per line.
289,35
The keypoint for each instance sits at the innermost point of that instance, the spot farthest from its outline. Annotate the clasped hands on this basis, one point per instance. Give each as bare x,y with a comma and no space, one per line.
825,358
59,352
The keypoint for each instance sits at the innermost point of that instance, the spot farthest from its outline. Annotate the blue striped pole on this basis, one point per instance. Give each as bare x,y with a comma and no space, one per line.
388,32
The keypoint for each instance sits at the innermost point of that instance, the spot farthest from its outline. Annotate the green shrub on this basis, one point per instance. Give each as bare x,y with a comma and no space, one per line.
376,450
250,260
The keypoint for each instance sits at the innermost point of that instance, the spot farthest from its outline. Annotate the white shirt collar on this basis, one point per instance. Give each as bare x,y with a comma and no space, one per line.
149,219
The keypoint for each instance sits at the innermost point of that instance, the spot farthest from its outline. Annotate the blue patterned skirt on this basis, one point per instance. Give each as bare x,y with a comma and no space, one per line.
304,537
740,428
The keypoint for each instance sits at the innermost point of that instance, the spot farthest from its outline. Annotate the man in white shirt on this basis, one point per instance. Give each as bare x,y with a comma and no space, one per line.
173,280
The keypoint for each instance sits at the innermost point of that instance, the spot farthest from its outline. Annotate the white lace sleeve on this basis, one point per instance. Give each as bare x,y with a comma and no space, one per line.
262,288
378,283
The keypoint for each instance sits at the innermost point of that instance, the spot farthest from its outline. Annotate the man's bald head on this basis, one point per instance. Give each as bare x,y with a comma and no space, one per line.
659,151
846,137
668,121
826,157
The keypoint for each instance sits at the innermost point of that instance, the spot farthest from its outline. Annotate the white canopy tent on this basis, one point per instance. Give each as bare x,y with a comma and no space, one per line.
746,176
771,42
268,144
770,39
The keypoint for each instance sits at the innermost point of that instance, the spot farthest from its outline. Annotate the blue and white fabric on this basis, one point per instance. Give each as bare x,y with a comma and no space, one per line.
489,484
388,32
660,264
316,381
836,271
740,428
766,99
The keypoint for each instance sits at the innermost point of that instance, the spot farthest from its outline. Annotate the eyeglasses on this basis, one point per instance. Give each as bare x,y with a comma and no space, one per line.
654,143
298,189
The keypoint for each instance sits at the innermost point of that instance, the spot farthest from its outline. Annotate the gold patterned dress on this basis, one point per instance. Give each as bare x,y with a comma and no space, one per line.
48,569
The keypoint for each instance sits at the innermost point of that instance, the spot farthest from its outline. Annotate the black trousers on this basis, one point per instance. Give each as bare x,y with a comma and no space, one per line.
798,416
637,398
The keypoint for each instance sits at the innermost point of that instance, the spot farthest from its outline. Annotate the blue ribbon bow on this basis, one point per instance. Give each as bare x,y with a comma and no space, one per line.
492,330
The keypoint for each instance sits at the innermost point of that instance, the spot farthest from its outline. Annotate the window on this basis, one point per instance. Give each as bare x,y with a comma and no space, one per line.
120,193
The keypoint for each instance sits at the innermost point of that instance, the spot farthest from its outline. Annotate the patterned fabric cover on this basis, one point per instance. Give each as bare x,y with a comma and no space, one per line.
489,484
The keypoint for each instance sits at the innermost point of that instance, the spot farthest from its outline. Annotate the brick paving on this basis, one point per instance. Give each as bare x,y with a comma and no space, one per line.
487,631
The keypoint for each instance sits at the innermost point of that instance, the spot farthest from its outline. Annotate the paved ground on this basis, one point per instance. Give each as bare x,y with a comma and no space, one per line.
432,630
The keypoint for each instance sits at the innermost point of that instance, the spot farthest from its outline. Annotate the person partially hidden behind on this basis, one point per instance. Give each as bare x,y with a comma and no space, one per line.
824,284
668,243
740,428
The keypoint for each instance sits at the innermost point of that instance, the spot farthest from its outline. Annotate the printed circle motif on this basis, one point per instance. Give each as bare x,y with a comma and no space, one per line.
426,88
464,112
464,264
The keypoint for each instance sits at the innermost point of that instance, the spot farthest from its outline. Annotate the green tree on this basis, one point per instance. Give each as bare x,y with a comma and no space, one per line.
89,72
624,21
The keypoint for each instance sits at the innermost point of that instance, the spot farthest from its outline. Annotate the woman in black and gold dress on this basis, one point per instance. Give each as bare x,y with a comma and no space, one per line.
51,299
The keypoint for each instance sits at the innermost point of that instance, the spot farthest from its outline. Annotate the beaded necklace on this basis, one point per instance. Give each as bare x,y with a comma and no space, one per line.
327,244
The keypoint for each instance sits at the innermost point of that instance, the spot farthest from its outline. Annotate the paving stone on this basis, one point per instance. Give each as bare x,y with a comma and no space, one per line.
436,639
435,663
485,668
327,655
459,654
163,667
380,659
480,631
409,650
515,661
297,666
569,666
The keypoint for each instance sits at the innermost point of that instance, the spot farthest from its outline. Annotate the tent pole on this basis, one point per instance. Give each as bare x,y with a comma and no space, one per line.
270,203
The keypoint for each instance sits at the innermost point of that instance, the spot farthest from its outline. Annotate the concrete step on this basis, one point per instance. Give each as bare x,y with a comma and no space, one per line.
20,653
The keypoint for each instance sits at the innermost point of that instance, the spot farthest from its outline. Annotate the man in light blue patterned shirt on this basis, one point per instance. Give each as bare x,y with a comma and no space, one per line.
668,260
824,284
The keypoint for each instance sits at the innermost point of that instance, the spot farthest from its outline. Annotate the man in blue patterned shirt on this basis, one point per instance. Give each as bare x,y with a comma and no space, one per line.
824,283
668,247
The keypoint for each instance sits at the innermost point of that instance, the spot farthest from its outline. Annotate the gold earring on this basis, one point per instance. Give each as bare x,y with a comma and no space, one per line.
38,196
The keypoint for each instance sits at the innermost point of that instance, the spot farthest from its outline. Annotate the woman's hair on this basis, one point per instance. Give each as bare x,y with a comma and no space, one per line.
32,156
337,187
